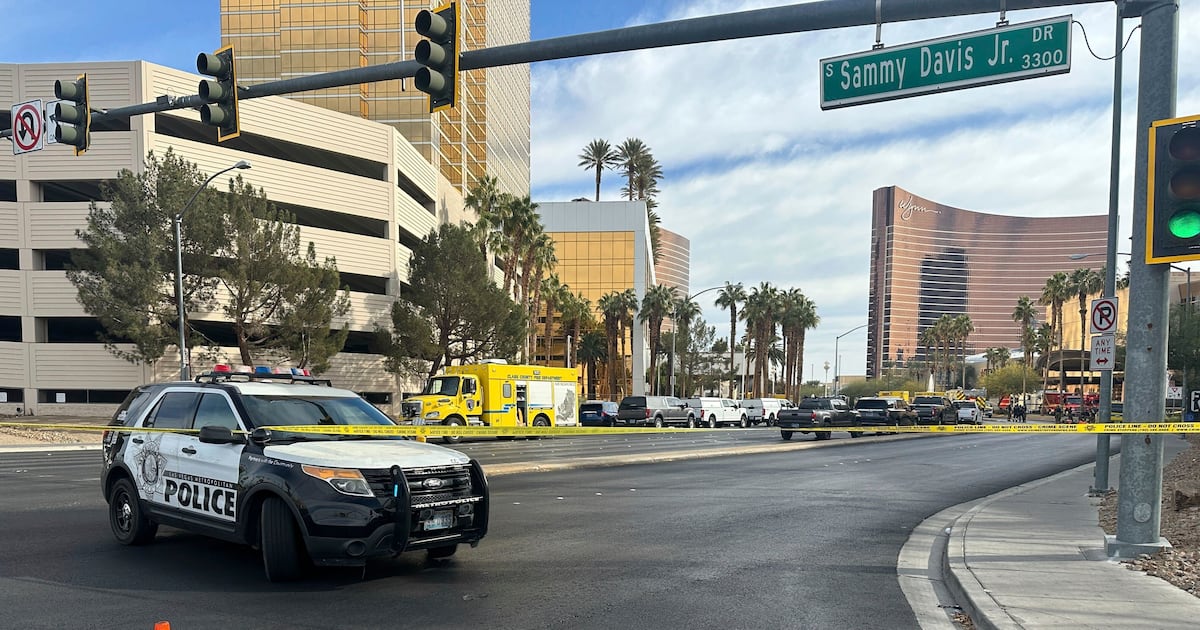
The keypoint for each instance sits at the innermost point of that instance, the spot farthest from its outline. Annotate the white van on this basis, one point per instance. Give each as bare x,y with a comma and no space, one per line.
716,412
764,409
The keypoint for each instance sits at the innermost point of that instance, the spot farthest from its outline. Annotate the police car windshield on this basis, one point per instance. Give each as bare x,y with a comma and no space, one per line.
442,386
275,410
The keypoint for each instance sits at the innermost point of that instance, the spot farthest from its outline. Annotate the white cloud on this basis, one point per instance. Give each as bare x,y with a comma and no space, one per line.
770,188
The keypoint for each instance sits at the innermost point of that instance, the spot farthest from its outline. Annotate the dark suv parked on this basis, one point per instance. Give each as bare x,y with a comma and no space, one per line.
598,413
656,410
884,411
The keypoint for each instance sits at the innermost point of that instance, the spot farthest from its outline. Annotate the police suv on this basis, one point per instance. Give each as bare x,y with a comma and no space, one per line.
200,456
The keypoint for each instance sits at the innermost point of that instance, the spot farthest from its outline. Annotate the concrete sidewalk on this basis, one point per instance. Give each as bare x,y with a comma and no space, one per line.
1033,557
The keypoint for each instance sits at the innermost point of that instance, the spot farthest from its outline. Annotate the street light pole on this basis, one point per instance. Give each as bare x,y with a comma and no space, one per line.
184,368
675,331
837,363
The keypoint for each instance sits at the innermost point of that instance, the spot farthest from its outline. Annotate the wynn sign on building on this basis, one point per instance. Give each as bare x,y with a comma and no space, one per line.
930,259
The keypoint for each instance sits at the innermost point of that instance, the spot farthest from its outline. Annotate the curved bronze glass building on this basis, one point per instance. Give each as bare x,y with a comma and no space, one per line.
929,259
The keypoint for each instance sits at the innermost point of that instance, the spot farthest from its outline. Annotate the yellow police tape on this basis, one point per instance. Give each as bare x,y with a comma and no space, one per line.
427,430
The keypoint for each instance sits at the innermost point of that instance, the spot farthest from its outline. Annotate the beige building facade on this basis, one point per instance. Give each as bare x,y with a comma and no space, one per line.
359,190
487,132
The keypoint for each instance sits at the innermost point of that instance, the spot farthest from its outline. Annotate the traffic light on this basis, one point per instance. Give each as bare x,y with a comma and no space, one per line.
439,56
73,114
1173,204
220,96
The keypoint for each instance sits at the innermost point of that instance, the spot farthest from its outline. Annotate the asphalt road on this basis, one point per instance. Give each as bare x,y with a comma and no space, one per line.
800,539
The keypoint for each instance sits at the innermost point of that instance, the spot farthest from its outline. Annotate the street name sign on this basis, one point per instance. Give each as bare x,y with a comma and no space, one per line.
1104,352
994,55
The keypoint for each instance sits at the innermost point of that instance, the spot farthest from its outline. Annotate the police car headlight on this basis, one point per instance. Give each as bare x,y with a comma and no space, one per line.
432,415
344,480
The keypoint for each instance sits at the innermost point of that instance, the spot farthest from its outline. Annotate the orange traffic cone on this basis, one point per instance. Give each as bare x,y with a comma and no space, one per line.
162,625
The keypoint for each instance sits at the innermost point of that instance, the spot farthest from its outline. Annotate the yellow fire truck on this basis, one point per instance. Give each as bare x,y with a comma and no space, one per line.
497,394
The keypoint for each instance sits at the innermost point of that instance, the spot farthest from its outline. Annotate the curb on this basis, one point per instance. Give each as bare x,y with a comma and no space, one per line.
674,456
48,447
975,600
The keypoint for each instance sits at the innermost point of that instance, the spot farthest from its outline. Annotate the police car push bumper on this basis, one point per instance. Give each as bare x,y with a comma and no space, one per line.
350,515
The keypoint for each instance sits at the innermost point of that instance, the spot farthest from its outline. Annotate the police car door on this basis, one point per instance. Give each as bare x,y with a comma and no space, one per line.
207,483
153,456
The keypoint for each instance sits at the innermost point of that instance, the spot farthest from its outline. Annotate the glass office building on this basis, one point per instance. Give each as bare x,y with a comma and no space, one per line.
602,247
488,130
929,259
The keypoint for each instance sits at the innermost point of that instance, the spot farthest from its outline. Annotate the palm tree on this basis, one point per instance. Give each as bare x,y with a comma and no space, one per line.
592,349
684,311
1056,291
612,307
962,329
538,256
576,316
599,155
655,306
521,228
1043,343
490,206
929,341
1084,282
554,293
630,154
797,315
630,301
1024,314
760,312
729,297
642,172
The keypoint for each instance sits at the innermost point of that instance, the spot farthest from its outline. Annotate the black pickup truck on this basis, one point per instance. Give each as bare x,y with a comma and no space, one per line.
813,413
934,410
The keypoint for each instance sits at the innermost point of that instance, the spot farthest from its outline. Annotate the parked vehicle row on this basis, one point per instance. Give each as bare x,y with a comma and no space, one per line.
703,411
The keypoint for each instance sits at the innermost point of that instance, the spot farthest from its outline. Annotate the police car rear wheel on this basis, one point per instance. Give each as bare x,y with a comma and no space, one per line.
125,516
281,547
442,552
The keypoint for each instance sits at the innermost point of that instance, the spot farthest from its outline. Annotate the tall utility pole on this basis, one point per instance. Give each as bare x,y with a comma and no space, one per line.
1140,500
1103,441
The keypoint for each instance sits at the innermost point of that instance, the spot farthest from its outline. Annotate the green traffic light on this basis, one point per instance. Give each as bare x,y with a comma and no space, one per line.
1185,223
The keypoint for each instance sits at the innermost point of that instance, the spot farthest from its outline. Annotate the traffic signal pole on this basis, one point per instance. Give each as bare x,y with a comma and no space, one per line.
1139,502
797,18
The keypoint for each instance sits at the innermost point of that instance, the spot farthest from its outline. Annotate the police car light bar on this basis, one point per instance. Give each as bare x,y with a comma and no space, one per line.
226,372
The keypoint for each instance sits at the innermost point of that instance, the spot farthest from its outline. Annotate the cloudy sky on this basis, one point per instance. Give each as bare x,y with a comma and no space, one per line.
768,187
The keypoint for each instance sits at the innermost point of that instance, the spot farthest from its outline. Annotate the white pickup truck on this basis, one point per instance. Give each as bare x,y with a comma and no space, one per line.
717,412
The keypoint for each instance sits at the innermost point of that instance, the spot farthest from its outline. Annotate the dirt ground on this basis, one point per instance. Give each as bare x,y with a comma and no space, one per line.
1179,565
12,436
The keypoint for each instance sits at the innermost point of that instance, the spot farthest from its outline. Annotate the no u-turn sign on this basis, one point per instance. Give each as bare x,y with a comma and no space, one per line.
28,128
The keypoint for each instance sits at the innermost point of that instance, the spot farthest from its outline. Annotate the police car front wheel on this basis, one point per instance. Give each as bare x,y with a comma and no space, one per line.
129,525
282,548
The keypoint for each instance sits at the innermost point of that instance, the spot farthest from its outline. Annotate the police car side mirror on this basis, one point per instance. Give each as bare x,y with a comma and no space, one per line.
214,434
260,436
